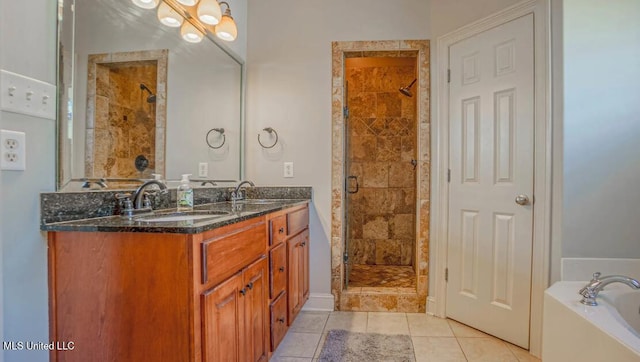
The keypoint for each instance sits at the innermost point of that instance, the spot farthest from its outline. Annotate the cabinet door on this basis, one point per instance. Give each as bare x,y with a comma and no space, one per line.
256,312
296,276
222,311
294,287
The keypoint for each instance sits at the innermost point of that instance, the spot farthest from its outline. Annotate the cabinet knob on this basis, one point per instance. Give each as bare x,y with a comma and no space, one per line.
281,320
250,285
281,269
243,291
303,244
281,230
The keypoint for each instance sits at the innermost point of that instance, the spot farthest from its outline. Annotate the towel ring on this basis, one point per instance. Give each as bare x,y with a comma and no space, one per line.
270,131
221,132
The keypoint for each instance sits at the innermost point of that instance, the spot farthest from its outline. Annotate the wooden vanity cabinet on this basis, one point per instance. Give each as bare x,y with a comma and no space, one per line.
130,296
227,294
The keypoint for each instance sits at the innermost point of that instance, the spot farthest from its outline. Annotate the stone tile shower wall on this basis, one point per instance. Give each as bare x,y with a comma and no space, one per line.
125,122
381,147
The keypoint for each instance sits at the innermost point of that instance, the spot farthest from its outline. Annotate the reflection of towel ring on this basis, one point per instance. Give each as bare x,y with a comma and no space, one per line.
219,130
270,130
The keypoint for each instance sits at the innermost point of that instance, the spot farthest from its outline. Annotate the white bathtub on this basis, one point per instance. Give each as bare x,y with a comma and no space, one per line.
608,332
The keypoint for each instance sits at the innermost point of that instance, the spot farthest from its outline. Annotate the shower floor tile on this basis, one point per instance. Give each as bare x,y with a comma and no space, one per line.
391,276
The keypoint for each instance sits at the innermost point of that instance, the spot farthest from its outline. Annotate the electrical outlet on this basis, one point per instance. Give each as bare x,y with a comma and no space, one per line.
203,169
13,149
288,169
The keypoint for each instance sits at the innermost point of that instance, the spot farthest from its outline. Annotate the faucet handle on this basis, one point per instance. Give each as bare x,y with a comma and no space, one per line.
124,199
596,276
146,203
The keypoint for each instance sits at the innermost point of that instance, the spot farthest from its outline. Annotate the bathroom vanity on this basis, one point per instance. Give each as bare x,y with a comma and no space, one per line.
223,288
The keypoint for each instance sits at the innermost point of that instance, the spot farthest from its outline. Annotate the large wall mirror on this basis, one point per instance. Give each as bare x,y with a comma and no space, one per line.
136,99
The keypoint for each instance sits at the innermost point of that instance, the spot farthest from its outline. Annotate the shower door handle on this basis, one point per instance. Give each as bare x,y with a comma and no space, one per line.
349,190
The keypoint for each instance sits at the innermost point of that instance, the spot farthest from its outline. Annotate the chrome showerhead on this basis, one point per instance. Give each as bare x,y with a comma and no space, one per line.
407,90
152,97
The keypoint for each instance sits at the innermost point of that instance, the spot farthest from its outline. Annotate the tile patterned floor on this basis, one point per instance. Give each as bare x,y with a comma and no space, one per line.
434,339
382,276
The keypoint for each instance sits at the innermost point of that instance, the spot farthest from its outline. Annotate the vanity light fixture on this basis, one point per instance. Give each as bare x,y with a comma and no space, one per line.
226,29
188,2
209,12
209,18
146,4
190,33
168,16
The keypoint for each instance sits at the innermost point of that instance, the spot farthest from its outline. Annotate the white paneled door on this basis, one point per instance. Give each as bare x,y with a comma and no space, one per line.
491,114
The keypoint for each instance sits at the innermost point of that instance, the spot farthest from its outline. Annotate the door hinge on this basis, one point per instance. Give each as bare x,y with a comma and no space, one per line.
449,175
345,112
345,258
448,75
446,274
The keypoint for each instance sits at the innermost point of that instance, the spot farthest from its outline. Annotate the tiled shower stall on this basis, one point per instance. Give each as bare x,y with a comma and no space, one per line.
381,165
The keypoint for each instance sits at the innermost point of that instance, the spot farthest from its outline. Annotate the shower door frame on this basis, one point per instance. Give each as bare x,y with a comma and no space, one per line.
338,228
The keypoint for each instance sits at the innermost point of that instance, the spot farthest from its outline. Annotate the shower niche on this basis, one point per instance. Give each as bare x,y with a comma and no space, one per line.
381,160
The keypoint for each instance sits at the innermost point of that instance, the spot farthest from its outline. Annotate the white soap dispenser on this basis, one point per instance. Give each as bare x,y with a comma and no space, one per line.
185,194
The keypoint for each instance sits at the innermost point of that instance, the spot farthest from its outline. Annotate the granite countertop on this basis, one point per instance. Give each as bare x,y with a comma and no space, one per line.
223,213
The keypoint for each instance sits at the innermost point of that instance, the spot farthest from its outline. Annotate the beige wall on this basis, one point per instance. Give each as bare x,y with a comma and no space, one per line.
289,89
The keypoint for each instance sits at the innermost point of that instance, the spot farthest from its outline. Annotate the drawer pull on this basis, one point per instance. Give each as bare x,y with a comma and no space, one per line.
281,230
281,269
243,291
281,320
250,285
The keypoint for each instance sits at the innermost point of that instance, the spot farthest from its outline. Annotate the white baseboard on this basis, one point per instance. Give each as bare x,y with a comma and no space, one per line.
581,269
431,305
319,302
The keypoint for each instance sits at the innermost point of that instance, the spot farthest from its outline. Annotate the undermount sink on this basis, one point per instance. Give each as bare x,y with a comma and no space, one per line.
183,216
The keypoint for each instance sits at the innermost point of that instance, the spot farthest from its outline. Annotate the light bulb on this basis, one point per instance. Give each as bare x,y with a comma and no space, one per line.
227,29
188,2
190,33
146,4
168,16
209,12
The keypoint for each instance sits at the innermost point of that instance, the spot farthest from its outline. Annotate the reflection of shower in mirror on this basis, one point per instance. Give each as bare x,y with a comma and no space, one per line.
152,97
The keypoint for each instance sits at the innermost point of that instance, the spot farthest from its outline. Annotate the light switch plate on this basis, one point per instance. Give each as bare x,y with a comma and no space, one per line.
288,169
12,150
24,95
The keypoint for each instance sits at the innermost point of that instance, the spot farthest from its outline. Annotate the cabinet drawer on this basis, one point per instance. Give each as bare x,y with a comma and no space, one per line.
297,221
278,320
225,255
278,269
277,230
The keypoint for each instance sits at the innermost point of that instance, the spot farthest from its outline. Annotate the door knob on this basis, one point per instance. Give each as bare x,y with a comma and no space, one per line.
522,200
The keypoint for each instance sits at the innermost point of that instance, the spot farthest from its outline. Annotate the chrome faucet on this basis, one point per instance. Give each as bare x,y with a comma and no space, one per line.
590,291
239,194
